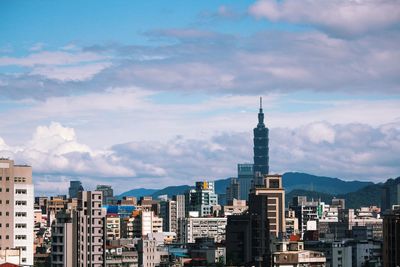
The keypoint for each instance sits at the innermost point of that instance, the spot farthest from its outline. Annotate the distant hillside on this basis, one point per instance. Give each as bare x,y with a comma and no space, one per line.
308,182
171,190
325,197
366,196
294,184
138,192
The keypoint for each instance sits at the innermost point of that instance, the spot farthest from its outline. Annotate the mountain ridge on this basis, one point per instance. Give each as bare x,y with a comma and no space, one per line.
291,181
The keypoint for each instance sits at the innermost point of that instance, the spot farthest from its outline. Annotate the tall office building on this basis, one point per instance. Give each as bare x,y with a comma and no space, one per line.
391,237
16,214
261,149
248,236
90,226
245,178
108,193
272,188
74,188
202,198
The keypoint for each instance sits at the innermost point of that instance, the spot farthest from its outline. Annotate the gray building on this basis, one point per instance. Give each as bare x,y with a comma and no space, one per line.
62,241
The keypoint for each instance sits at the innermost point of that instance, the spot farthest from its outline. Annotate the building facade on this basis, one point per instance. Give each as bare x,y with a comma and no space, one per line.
192,228
272,188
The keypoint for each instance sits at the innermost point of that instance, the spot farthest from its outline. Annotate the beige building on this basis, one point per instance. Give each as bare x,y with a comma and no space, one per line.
235,207
292,254
272,188
17,212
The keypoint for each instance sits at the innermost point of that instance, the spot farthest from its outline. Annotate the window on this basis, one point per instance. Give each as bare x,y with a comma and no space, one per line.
20,203
20,191
20,225
20,237
7,189
7,178
20,214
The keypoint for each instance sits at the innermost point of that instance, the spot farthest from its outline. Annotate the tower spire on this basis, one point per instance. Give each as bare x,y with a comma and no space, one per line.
261,114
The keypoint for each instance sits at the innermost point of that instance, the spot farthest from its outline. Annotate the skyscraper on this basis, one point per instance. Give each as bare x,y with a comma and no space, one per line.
16,213
74,188
245,178
261,149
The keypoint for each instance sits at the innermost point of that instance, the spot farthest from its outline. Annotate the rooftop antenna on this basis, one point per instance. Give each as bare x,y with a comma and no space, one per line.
260,102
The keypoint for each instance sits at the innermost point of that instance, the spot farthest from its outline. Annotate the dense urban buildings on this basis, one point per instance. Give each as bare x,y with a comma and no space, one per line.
16,214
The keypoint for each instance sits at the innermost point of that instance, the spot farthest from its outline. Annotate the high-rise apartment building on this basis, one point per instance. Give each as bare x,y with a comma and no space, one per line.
261,149
62,241
272,188
90,225
202,198
16,213
245,179
180,205
168,212
74,188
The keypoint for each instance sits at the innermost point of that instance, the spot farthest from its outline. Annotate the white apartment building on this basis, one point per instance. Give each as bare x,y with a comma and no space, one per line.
192,228
17,213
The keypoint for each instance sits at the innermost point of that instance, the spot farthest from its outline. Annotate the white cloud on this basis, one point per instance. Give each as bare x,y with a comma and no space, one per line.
51,58
348,151
347,17
71,73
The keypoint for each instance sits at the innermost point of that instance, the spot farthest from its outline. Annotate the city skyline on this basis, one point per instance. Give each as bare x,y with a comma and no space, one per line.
138,94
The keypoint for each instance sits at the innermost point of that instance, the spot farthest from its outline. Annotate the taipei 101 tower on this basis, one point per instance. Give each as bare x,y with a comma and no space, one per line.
261,150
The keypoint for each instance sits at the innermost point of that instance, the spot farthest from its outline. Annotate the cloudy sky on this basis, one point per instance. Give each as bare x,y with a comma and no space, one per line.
156,93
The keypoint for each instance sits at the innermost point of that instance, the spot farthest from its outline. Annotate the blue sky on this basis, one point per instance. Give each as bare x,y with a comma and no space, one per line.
132,92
